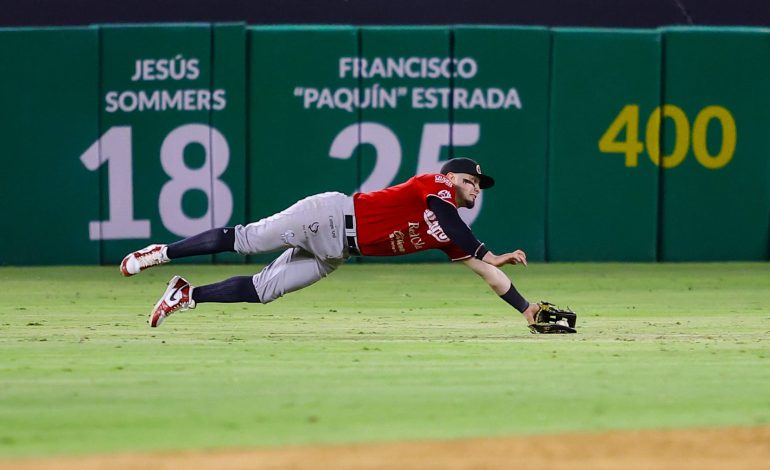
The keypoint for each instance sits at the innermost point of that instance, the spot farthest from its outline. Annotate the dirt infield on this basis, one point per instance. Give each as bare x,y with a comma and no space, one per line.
722,448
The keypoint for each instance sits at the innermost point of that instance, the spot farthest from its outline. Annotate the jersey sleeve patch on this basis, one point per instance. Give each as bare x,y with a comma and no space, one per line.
437,185
444,180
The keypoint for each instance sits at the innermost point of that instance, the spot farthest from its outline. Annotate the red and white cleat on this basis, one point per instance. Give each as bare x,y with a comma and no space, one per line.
178,296
147,257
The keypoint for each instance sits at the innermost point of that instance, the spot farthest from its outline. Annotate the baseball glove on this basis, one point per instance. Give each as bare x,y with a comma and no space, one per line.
551,319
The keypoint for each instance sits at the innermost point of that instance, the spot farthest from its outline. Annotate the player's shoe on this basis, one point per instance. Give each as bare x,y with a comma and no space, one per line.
147,257
178,296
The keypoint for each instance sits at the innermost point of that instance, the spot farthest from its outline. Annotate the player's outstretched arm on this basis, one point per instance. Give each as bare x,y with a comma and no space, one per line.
493,276
502,286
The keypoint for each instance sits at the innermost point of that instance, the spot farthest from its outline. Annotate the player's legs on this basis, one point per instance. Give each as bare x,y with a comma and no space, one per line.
210,242
178,296
232,290
315,224
181,295
312,229
293,270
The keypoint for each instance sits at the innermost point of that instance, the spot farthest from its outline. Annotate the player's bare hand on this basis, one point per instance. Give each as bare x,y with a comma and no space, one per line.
517,257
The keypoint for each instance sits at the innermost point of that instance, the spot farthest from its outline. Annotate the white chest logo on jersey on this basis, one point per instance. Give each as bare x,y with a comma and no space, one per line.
444,194
414,235
434,229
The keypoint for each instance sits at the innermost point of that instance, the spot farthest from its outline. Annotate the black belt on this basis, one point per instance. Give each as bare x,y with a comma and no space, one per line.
351,236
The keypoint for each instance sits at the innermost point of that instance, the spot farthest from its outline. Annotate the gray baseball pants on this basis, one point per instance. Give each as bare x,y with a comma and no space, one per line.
312,233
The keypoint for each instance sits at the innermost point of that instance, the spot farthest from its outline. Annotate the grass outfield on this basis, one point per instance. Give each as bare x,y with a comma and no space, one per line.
376,353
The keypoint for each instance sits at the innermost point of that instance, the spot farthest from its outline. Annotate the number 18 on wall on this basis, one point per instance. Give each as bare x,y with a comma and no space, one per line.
114,149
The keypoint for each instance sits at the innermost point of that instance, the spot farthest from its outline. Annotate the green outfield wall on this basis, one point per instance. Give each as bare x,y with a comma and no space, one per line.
610,145
602,197
717,84
49,115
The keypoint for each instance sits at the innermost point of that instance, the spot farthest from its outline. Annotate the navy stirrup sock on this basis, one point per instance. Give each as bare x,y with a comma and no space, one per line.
515,299
209,242
235,289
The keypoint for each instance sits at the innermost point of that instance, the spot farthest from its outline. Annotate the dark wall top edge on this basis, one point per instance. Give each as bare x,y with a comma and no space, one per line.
600,13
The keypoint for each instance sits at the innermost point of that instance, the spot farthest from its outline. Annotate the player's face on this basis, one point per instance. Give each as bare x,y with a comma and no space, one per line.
467,189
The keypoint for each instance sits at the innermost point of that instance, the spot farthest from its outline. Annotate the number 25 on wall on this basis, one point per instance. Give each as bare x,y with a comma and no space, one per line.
631,147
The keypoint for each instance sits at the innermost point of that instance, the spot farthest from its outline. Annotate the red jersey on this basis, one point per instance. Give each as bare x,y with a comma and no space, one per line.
397,221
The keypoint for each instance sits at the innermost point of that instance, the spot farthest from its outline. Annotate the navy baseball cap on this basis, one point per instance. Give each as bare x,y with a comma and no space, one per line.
466,165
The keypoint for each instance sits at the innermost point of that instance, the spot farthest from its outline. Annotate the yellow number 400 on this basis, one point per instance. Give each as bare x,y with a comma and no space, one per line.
631,147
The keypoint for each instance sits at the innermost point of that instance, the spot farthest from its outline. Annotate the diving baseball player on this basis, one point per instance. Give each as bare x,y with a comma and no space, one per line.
320,232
